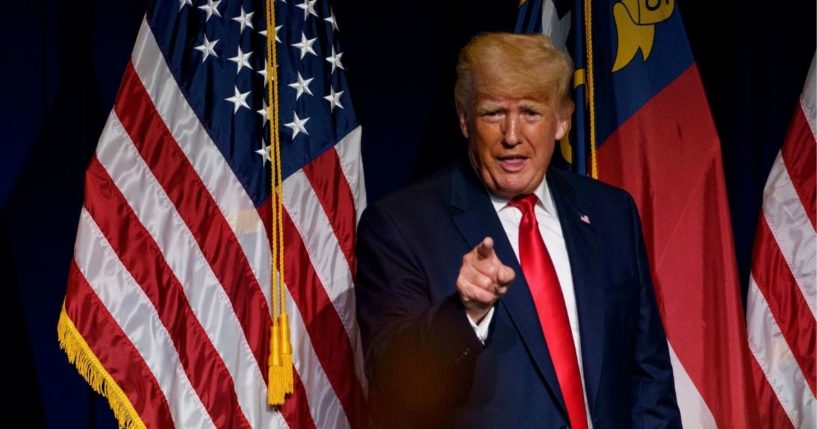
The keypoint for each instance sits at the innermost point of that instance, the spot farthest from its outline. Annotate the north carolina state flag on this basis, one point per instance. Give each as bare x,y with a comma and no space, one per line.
643,124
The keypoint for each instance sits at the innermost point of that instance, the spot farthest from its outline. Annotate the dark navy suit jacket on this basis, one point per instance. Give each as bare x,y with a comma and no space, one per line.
425,365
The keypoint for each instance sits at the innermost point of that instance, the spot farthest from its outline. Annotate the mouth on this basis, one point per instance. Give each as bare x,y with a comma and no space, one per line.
513,163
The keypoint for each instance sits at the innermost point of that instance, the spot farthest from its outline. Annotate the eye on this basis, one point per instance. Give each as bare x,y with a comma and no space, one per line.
491,114
529,112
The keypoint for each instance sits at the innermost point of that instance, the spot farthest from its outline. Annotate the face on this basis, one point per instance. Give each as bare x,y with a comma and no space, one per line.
511,141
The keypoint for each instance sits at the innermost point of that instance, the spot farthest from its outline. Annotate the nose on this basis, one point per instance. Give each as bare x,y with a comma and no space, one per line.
510,130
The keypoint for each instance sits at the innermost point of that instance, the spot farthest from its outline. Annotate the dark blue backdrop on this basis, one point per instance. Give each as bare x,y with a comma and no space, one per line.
61,68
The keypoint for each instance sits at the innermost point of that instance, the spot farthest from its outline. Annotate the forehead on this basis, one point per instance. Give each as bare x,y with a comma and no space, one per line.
507,86
485,99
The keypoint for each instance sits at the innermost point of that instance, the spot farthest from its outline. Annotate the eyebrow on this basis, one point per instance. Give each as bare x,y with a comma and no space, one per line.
527,103
489,105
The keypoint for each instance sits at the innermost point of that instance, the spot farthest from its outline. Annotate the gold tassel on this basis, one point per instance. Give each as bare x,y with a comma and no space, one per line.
275,384
280,381
286,353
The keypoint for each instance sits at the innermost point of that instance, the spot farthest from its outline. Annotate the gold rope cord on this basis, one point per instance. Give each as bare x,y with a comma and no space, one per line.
588,34
280,381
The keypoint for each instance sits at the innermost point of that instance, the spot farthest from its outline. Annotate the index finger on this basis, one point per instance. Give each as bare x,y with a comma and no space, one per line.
485,249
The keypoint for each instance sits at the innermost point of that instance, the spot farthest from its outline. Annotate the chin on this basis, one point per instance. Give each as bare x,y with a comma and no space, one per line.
515,188
510,191
507,185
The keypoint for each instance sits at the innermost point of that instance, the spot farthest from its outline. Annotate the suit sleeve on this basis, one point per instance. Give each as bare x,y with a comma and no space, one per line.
655,404
419,353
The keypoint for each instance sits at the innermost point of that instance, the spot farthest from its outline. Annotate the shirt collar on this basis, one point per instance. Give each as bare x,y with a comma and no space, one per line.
542,192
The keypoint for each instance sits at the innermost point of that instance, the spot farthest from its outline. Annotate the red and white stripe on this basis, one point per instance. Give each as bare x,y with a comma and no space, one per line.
170,284
781,316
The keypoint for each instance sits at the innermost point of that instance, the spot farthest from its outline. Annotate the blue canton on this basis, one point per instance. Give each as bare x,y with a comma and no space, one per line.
216,50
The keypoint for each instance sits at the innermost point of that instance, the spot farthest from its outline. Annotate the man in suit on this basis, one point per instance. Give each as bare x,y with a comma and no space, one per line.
501,293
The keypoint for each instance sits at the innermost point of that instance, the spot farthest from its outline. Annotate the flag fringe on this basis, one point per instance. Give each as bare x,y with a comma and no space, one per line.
91,369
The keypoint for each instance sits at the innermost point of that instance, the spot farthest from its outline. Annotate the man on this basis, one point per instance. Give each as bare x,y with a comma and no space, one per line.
501,293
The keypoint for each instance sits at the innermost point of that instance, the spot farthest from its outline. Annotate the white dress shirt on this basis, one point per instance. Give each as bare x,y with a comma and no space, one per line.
551,231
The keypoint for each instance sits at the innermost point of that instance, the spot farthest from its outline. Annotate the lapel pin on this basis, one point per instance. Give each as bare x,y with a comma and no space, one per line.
584,218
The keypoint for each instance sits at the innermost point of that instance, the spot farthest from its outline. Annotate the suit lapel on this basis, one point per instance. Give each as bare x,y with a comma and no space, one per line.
578,228
475,217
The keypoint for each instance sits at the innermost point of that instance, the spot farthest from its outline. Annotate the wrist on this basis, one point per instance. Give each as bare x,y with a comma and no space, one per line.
477,315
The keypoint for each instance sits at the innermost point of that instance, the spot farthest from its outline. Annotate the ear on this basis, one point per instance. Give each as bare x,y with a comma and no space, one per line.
562,126
463,120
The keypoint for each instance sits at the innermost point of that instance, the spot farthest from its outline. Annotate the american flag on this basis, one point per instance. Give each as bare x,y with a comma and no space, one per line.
168,305
781,315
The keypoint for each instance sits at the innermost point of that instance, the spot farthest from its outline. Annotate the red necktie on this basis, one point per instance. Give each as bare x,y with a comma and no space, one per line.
550,306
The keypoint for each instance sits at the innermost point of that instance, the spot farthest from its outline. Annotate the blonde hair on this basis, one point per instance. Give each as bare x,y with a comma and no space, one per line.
514,65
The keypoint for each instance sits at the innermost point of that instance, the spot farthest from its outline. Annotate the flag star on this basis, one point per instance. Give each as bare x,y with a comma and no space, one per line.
211,8
242,59
239,99
334,59
263,72
183,3
309,8
277,29
334,99
305,45
245,19
264,152
264,112
297,125
207,48
332,20
301,86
